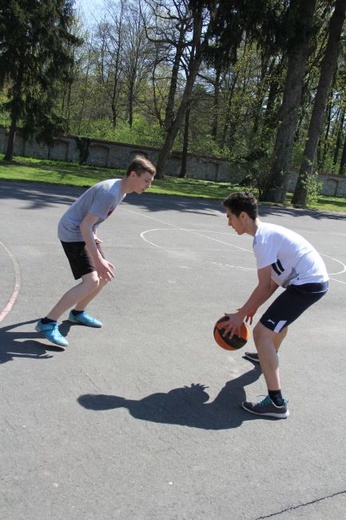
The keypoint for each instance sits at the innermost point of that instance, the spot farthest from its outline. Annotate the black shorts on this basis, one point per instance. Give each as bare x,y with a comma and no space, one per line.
79,259
291,304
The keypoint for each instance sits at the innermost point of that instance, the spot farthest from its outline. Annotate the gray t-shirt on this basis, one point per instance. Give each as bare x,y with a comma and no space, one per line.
99,200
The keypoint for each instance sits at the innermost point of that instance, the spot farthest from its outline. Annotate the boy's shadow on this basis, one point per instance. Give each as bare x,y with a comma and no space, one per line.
185,406
15,344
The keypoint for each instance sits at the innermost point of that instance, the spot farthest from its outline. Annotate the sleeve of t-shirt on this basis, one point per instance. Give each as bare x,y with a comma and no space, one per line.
265,253
102,205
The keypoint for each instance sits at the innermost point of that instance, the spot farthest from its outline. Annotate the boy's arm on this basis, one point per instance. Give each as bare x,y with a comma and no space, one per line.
265,288
103,267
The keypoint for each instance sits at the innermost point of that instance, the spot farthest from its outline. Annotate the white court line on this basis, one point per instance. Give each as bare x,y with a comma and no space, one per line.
343,270
174,227
150,217
338,262
16,289
193,231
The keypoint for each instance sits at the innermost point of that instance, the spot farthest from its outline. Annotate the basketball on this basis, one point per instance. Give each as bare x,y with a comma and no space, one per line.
224,341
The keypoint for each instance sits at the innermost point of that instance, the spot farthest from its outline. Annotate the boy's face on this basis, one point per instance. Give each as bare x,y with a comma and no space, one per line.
237,223
142,182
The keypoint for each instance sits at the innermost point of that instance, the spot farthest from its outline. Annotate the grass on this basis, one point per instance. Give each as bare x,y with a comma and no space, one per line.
71,174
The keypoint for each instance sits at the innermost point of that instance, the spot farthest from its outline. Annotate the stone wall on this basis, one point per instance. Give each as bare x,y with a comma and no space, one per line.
109,154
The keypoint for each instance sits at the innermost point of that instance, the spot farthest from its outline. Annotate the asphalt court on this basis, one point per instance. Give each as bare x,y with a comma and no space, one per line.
142,419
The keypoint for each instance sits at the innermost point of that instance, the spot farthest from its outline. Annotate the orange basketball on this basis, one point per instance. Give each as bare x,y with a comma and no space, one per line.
224,341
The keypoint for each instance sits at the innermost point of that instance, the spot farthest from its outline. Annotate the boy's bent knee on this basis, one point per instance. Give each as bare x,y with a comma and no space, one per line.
260,332
92,280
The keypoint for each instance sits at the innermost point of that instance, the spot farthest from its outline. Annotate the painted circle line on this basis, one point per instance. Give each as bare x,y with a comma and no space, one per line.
192,231
176,228
16,288
199,233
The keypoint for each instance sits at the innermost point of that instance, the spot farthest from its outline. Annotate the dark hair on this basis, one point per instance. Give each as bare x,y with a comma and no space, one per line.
140,165
242,201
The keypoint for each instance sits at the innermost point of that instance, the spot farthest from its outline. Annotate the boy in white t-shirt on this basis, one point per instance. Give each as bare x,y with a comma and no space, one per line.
77,232
285,259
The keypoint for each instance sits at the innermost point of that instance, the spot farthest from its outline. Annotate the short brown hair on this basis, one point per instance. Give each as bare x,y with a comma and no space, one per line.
140,165
242,201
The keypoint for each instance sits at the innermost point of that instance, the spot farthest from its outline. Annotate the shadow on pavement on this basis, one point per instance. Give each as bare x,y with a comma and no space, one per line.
15,344
154,202
186,406
38,195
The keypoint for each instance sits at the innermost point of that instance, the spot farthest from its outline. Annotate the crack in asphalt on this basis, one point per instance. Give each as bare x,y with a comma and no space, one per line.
301,505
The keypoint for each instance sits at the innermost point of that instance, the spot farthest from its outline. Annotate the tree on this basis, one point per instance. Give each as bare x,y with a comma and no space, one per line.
197,27
136,57
36,43
177,28
328,68
300,25
109,43
342,169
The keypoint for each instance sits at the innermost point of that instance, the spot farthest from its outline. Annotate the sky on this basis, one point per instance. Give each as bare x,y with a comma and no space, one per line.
89,9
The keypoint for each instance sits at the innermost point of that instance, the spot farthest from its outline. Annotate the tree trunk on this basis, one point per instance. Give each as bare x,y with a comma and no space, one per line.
276,188
228,118
15,113
328,67
169,116
10,141
183,169
194,65
342,169
216,107
339,134
171,135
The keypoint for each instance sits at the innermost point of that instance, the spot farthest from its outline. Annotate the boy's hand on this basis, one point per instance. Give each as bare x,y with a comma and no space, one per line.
105,270
250,315
234,324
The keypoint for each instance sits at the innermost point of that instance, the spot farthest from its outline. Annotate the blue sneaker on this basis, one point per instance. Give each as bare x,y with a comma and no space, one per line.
84,319
51,332
267,408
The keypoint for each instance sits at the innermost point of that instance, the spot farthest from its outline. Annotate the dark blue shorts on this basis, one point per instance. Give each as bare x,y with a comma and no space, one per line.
77,255
291,303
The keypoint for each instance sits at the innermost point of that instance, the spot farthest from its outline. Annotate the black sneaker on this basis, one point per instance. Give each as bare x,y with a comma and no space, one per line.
267,408
252,356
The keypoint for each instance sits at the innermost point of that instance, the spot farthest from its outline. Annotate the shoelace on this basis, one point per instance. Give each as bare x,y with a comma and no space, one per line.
264,401
267,400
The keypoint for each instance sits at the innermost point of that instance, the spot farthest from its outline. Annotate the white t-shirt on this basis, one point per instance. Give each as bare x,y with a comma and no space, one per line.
99,200
292,258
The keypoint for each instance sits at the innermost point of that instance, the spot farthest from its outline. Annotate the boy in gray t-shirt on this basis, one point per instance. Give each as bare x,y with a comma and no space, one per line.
77,231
